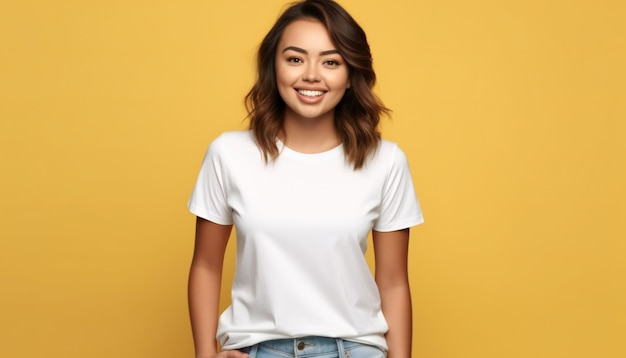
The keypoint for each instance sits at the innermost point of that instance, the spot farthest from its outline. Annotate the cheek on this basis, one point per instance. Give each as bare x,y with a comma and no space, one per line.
342,80
283,84
279,73
284,75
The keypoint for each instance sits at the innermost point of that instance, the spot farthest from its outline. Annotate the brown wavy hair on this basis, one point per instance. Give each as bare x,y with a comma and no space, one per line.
358,113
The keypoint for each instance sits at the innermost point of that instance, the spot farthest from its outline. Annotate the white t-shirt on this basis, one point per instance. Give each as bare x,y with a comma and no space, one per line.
302,223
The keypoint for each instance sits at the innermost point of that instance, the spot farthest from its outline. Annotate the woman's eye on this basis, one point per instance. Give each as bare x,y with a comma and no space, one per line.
332,63
294,60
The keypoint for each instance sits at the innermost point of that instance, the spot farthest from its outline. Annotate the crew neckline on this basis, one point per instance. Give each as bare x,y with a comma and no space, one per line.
332,152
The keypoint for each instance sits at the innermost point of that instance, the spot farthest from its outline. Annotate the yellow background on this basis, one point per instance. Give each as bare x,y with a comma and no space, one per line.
511,113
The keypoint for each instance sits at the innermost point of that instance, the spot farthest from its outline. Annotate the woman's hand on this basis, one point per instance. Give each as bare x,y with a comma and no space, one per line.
230,354
234,354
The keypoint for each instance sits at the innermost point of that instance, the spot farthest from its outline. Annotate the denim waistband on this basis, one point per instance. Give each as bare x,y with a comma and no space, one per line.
304,346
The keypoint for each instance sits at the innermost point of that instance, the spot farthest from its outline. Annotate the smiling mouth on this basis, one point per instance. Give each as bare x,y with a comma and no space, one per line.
309,93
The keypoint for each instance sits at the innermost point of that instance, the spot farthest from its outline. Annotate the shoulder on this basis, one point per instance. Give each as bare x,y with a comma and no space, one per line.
389,152
387,147
233,138
232,141
234,147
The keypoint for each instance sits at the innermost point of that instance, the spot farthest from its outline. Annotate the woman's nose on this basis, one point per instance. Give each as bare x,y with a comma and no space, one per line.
311,74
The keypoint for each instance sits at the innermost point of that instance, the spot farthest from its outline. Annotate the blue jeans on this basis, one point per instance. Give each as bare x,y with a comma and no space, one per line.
317,347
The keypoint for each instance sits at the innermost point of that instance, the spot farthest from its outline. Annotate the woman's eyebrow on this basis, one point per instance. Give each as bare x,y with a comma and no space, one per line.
303,51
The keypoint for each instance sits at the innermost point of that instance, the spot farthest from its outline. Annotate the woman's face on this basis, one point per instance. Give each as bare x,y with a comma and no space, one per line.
310,74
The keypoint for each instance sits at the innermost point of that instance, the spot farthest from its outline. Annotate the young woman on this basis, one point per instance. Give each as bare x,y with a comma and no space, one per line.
304,187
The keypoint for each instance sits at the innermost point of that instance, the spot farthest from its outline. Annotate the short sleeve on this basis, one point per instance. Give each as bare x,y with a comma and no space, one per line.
209,197
400,208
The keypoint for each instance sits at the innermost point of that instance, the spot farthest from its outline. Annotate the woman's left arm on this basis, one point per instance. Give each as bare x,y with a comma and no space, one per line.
391,250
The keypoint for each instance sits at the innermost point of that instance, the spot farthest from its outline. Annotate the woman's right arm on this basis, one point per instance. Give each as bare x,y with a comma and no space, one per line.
205,280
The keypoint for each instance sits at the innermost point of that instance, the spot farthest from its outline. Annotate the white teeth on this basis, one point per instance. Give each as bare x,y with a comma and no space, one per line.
310,93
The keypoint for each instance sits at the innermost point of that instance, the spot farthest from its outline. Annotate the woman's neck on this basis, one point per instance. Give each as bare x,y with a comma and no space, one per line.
309,136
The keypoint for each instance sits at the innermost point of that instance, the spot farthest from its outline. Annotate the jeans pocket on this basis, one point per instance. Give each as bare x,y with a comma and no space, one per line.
365,351
250,351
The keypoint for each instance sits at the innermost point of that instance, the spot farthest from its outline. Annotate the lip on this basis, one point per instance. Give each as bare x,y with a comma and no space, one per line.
307,99
311,89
